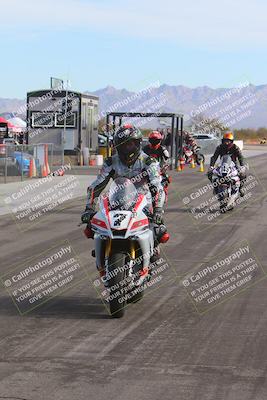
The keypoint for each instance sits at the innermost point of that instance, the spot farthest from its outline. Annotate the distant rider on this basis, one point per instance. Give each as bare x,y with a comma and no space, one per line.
160,153
190,141
156,150
228,147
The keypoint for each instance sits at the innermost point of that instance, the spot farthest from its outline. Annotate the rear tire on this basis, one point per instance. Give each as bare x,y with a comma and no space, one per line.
117,262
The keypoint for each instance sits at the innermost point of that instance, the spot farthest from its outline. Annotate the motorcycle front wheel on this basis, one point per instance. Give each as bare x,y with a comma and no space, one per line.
223,198
117,283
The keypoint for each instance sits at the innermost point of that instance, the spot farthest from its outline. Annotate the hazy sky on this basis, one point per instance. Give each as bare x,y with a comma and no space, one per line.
131,43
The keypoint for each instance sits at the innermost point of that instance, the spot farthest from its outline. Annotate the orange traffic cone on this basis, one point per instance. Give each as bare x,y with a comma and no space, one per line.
46,160
48,169
193,165
44,171
182,162
30,174
201,168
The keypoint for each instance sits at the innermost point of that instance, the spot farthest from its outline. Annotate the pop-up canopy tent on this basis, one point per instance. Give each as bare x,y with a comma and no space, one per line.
176,129
17,122
4,127
13,125
5,121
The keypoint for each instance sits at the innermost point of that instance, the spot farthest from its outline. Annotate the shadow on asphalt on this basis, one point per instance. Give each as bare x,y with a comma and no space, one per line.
197,210
74,211
61,308
177,209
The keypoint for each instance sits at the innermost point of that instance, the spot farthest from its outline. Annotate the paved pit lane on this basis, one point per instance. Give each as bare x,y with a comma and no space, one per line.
168,346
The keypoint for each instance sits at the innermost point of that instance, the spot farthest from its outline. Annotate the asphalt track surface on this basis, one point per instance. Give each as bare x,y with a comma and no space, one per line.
71,349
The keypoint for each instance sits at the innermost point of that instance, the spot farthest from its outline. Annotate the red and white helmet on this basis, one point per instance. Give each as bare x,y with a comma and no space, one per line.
155,138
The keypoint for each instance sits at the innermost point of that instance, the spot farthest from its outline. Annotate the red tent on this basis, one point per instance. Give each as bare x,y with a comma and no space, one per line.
3,120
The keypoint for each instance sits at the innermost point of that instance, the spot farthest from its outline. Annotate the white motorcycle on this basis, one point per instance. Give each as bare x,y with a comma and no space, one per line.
226,183
124,243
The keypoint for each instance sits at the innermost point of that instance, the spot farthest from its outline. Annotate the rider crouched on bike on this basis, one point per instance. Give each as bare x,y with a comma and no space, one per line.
130,162
190,141
228,147
160,153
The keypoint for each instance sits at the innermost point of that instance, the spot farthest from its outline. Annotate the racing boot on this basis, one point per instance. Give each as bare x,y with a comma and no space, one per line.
160,236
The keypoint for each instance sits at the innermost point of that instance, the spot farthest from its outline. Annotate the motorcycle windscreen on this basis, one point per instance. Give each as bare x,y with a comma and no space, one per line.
227,160
122,194
226,165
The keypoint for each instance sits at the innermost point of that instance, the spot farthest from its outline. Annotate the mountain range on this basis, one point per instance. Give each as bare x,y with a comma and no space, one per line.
244,106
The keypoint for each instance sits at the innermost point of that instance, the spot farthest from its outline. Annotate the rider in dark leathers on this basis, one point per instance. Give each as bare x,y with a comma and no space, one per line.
228,147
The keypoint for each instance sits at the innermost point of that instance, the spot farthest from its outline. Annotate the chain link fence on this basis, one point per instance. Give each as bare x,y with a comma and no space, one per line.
22,162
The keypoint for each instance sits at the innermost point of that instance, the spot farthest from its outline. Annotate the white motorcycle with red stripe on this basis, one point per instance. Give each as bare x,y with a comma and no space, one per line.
124,243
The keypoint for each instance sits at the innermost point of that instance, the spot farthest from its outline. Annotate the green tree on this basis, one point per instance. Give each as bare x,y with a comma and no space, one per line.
201,123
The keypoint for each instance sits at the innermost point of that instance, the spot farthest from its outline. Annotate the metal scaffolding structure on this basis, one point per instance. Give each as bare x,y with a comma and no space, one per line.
176,129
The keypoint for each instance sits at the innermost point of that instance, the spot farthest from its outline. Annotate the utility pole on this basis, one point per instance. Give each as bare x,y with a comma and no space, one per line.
63,139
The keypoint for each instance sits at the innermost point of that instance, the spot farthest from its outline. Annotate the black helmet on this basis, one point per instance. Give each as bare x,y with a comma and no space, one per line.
127,141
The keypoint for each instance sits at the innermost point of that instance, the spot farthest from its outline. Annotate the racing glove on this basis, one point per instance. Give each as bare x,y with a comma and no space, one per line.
87,215
210,172
242,172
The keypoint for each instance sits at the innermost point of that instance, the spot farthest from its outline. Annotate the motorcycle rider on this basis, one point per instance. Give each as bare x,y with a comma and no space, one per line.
190,141
130,162
160,153
156,150
228,147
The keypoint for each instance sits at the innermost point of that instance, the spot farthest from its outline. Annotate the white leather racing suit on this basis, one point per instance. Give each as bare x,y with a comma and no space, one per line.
144,174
